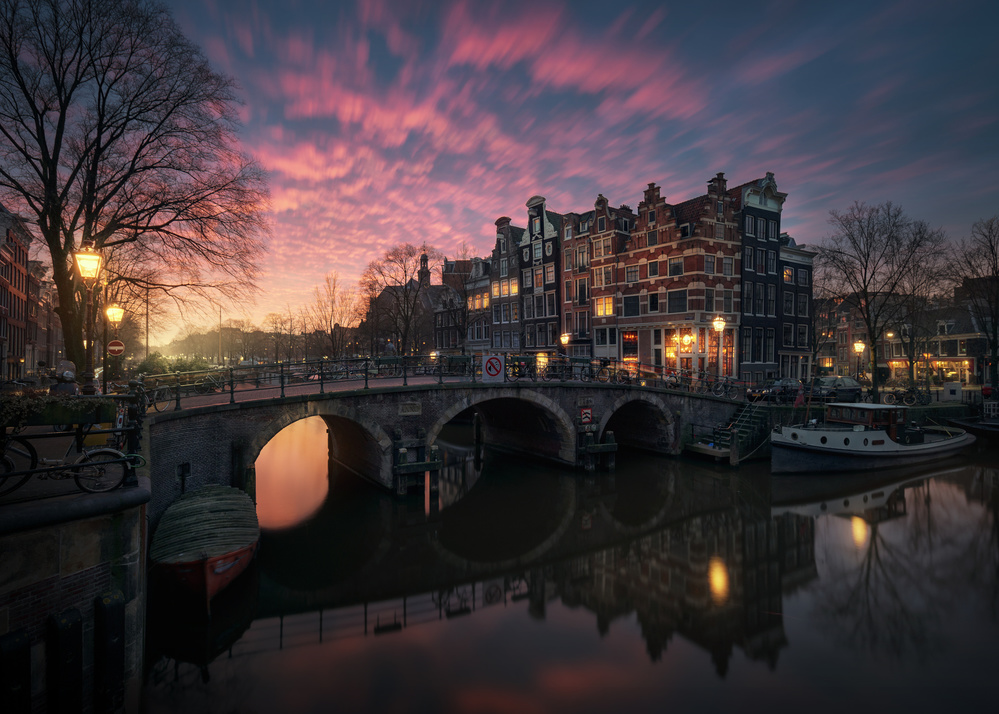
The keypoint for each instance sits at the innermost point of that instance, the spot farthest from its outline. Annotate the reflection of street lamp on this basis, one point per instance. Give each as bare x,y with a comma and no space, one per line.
719,325
858,347
88,263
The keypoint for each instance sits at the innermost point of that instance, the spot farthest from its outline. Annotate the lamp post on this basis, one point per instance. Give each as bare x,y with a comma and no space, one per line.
564,339
858,347
114,315
88,263
719,325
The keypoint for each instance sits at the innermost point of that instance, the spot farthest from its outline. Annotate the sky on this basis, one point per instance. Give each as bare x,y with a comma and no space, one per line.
381,122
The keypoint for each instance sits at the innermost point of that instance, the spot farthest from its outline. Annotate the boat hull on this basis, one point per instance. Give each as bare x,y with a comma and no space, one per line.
797,450
205,539
207,577
987,429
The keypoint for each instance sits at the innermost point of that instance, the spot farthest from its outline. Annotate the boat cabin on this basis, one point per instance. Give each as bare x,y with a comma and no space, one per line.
881,417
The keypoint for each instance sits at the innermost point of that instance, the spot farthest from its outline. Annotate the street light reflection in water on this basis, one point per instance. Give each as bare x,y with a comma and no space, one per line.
293,474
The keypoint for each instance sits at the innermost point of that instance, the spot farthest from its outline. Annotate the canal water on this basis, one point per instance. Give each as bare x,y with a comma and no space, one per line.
670,584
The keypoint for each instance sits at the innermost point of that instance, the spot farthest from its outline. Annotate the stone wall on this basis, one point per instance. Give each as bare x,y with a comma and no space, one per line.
64,559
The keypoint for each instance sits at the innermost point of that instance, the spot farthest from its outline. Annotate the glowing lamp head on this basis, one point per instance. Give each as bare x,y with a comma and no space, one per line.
115,315
88,263
564,338
719,324
858,347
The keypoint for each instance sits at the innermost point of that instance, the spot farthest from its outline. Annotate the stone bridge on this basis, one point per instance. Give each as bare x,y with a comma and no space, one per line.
388,434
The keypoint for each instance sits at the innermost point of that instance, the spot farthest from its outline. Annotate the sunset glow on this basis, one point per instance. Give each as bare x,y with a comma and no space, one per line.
384,122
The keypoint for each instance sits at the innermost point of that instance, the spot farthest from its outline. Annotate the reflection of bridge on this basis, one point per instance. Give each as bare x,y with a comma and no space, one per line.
679,549
566,422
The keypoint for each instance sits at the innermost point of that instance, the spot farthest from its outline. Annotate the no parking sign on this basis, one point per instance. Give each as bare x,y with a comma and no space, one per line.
492,368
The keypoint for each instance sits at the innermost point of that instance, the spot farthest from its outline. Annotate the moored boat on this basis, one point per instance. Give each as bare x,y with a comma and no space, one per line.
984,426
206,538
857,437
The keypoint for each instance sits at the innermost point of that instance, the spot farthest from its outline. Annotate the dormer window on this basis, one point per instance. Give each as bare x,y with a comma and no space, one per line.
536,225
601,224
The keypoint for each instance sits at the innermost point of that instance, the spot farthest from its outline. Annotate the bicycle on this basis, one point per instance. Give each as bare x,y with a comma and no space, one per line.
518,370
210,383
557,369
725,387
94,470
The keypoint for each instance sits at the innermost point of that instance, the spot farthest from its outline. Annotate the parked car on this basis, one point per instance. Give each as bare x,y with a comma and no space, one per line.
775,390
836,389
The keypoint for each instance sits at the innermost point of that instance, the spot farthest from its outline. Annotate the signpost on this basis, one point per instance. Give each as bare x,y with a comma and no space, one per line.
116,347
493,368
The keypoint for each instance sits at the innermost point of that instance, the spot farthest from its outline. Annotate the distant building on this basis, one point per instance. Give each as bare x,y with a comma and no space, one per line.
14,288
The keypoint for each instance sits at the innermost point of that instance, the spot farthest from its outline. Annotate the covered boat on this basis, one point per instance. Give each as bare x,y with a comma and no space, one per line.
206,538
984,426
857,437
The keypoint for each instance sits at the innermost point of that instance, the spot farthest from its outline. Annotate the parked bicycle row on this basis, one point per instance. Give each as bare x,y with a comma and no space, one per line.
98,456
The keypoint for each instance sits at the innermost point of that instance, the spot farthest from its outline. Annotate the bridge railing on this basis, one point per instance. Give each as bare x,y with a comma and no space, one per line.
300,377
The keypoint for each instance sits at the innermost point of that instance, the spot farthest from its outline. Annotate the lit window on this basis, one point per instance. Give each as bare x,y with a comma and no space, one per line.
789,275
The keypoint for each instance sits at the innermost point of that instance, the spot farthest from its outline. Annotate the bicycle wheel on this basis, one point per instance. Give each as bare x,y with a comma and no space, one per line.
924,399
719,389
890,398
909,399
603,374
100,470
18,455
584,374
161,398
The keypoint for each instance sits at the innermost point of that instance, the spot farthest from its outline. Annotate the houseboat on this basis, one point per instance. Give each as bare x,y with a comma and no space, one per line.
856,437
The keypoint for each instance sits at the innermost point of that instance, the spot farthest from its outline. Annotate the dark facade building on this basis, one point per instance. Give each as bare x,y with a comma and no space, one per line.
14,305
759,205
504,287
540,253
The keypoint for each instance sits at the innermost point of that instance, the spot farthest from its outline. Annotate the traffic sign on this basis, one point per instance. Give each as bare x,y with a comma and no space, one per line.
116,347
492,368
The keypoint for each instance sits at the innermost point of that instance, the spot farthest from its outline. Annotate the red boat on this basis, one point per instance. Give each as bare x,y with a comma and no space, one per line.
205,539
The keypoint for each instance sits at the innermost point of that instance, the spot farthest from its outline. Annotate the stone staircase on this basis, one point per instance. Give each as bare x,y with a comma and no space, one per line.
751,422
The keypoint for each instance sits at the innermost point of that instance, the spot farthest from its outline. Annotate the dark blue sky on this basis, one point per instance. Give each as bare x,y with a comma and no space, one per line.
385,122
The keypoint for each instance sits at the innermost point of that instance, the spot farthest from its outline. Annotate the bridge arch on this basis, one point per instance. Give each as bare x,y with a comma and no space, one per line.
356,441
547,427
642,420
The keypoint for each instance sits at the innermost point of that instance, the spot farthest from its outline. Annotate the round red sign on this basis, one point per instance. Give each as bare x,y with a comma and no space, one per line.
116,347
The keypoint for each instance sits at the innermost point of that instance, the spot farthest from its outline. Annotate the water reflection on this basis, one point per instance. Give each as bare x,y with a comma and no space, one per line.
668,560
292,474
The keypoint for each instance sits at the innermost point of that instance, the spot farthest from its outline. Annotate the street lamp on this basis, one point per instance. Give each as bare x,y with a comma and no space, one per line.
88,264
564,339
115,315
719,325
858,347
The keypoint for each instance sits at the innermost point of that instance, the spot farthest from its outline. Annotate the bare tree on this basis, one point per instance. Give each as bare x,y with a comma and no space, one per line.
976,271
919,292
455,305
396,290
871,253
333,314
114,129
